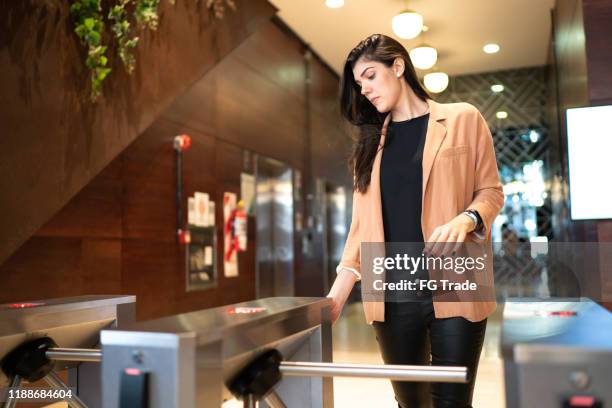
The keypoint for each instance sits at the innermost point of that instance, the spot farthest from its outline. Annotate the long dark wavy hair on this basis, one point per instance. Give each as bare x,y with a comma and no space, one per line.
357,110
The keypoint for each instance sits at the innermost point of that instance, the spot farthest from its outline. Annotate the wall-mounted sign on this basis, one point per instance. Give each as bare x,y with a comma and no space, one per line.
202,243
247,192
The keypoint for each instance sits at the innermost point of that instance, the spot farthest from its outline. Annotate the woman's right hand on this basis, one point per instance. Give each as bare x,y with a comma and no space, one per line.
336,309
340,291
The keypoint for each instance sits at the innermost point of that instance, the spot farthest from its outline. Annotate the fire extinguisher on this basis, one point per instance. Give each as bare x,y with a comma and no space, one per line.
237,228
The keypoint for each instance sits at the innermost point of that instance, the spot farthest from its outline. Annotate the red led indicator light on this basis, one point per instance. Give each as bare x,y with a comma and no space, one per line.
557,313
23,305
132,371
564,313
245,310
582,401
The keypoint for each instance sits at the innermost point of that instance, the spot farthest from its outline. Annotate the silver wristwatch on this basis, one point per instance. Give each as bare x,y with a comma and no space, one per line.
472,217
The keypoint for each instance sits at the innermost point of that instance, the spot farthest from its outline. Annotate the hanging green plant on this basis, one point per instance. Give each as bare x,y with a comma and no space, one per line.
89,27
218,6
121,31
146,13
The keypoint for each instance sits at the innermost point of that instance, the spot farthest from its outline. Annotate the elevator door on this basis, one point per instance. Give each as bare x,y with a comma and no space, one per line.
335,230
274,239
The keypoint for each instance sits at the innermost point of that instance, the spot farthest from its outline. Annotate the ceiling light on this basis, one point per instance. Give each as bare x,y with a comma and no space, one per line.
436,82
491,48
424,56
497,88
407,24
501,115
334,3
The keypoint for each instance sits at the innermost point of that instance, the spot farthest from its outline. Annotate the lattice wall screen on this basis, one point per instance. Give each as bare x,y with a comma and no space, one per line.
524,99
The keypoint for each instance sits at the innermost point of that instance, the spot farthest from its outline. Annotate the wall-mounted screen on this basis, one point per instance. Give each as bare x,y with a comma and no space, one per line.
589,146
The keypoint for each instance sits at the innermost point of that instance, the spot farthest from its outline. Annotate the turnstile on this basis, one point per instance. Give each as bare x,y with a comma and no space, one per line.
557,354
190,360
71,323
186,358
277,350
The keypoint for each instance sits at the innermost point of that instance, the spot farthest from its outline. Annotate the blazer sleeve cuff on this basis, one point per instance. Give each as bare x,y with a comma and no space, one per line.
340,268
480,234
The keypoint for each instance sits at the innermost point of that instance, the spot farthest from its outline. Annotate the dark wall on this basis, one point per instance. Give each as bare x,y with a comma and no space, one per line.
582,65
598,32
117,235
54,141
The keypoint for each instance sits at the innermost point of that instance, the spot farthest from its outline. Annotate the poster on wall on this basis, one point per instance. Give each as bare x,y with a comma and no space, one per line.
230,252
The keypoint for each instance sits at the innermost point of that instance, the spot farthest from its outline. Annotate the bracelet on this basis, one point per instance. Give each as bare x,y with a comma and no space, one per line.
475,217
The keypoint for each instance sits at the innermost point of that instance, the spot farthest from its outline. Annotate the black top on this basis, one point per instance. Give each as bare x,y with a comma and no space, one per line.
401,180
401,185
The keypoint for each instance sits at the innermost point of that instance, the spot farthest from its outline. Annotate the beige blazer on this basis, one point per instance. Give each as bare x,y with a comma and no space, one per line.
459,173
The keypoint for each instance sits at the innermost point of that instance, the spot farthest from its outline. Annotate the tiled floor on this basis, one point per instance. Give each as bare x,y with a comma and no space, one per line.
354,342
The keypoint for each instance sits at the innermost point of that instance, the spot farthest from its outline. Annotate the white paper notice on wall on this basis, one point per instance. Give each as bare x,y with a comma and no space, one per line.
201,207
191,211
589,143
208,255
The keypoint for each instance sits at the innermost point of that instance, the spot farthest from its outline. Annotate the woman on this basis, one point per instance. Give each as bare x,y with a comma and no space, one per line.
421,170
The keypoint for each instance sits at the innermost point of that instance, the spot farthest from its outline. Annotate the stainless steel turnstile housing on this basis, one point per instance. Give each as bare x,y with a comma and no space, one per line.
557,354
188,357
73,322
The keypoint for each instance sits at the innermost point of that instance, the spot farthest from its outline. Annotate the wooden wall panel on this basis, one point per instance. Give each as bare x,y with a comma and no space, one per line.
148,205
50,267
598,32
280,61
95,212
324,89
151,270
46,161
117,235
331,149
196,109
331,144
258,114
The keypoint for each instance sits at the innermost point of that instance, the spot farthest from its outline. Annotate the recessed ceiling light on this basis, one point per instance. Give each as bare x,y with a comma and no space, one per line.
497,88
334,3
491,48
501,115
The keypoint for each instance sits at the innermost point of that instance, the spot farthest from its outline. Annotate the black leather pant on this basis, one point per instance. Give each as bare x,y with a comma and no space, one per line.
411,334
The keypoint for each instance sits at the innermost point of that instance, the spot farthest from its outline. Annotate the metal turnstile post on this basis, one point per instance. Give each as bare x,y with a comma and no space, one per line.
14,384
55,382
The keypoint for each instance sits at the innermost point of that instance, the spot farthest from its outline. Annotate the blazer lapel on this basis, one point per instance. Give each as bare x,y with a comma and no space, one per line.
436,132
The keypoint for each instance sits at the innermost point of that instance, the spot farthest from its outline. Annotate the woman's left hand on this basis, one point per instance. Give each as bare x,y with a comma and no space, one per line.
447,238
